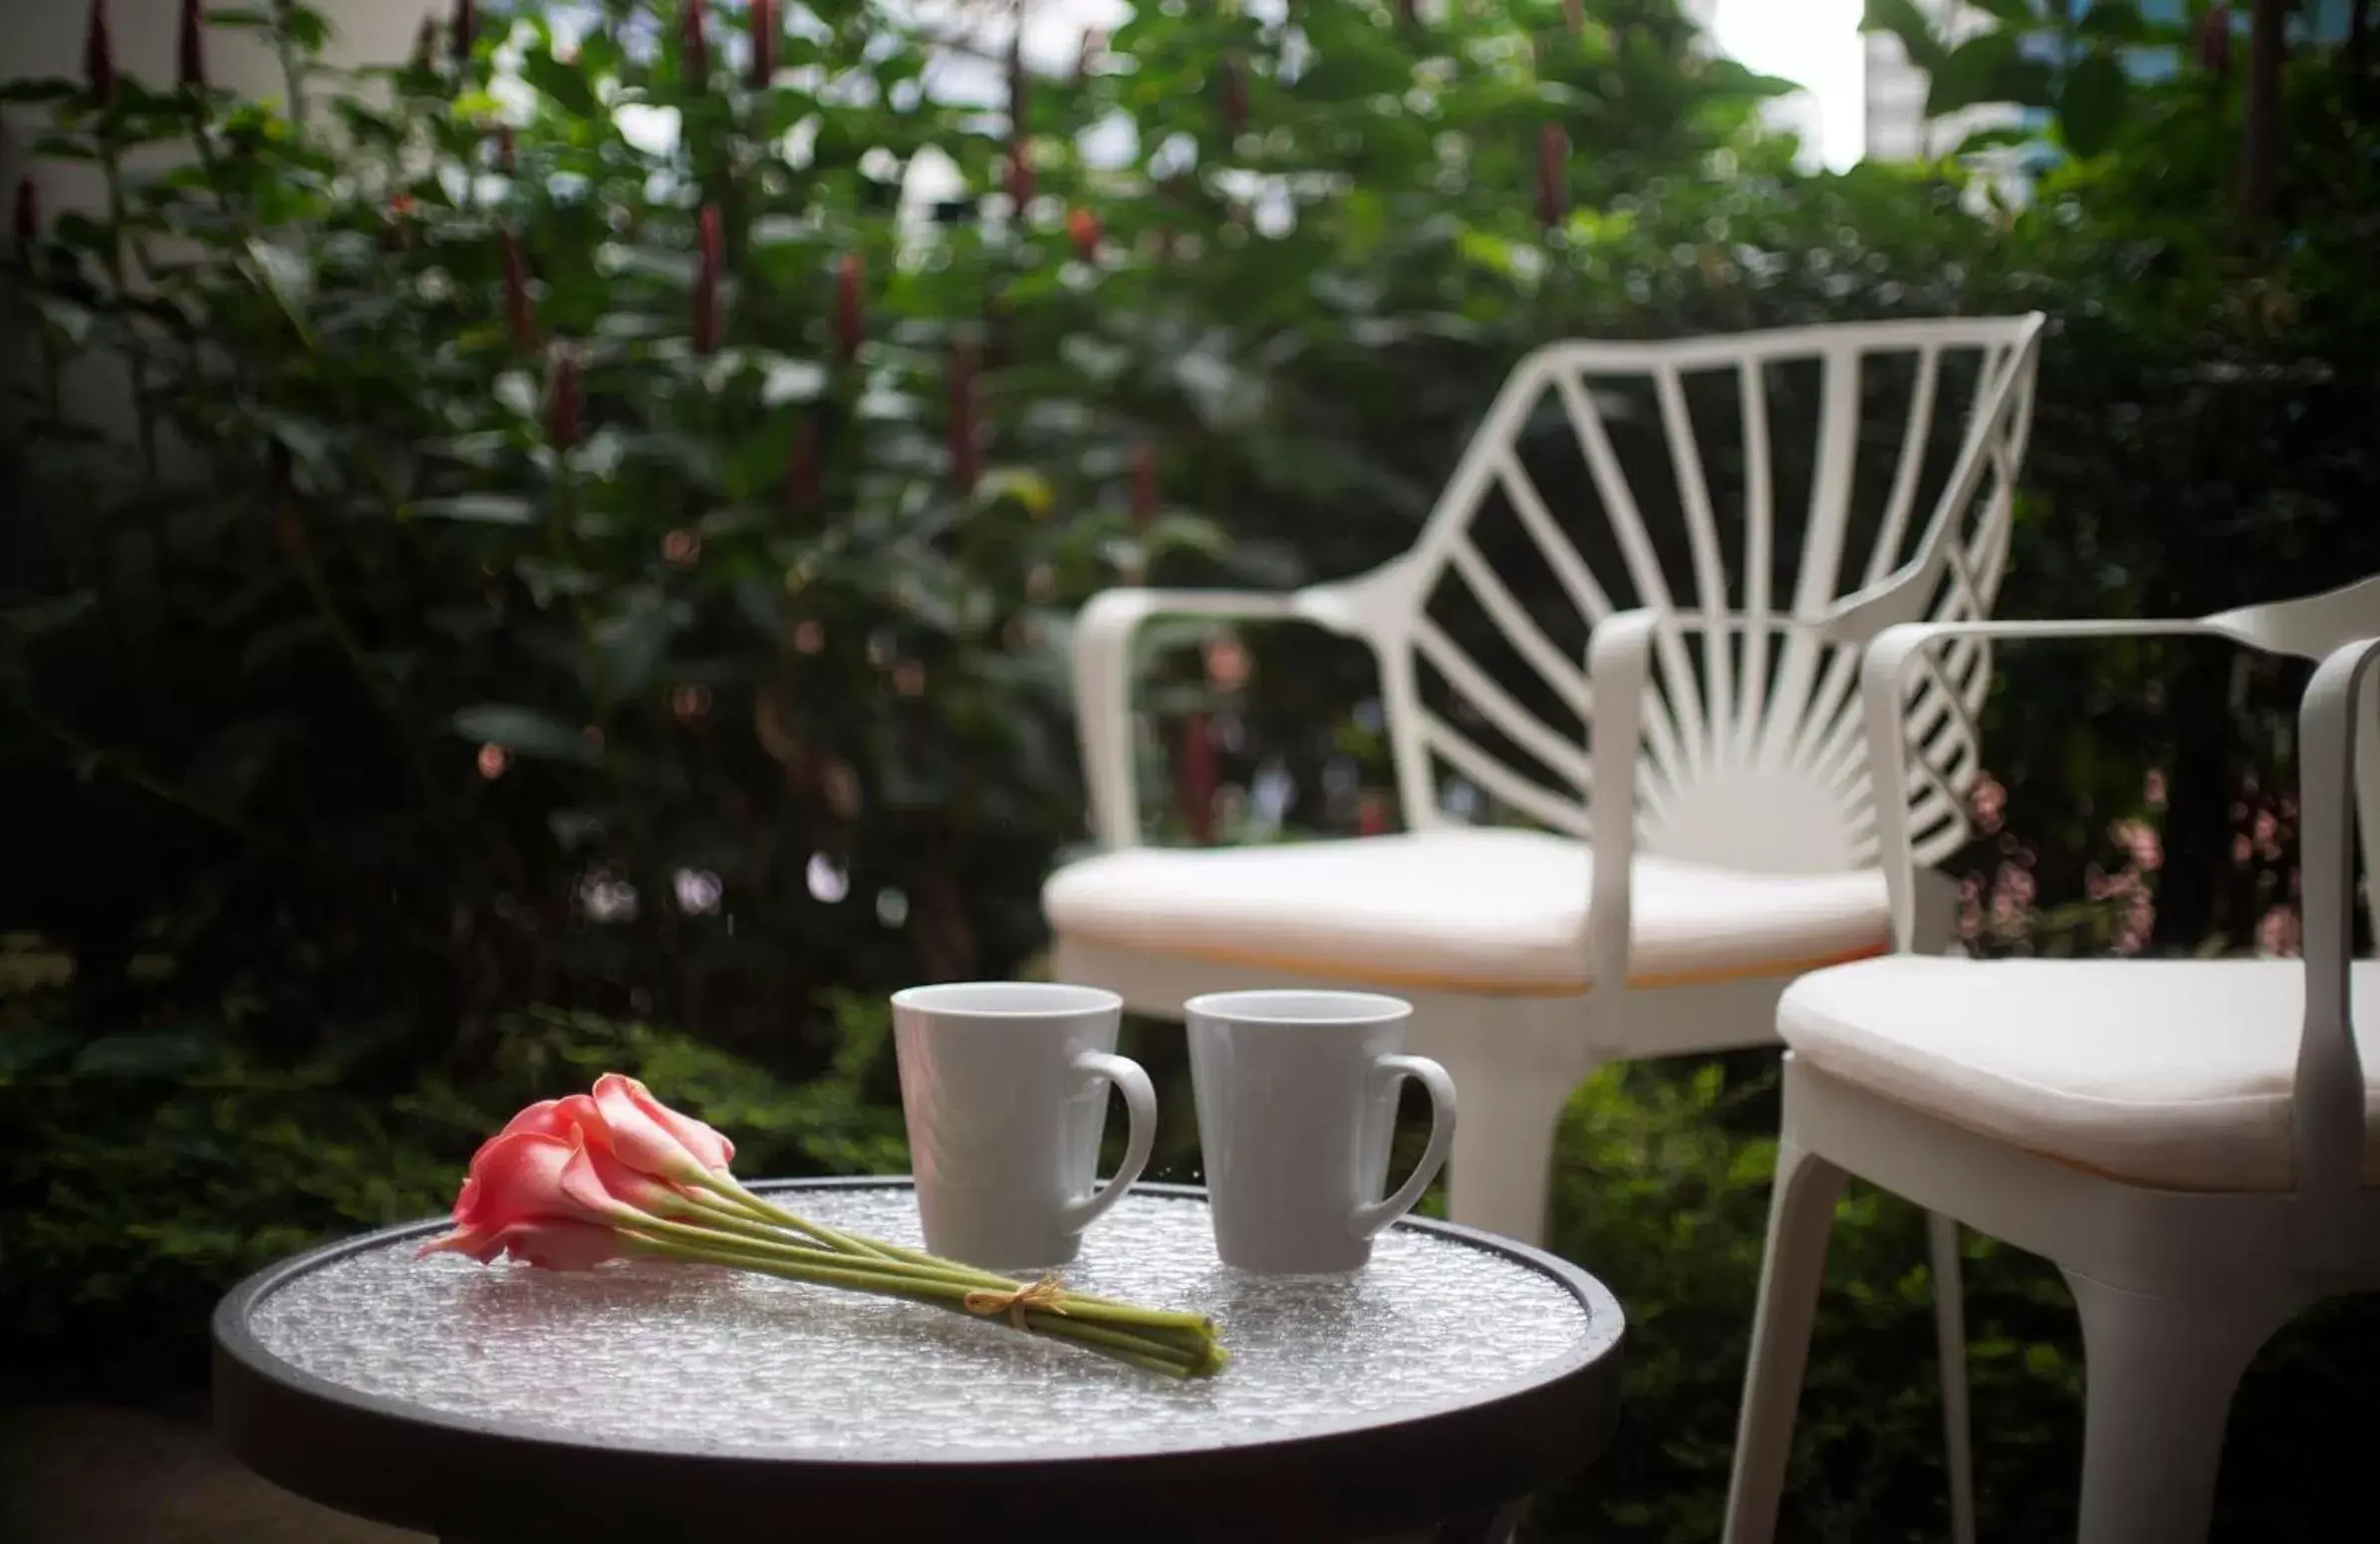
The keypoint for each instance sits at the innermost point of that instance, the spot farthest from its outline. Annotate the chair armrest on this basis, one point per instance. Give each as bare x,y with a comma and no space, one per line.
1102,670
1884,683
1619,667
2328,1093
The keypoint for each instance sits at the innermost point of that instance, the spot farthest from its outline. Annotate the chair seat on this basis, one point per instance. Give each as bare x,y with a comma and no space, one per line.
1478,911
2172,1074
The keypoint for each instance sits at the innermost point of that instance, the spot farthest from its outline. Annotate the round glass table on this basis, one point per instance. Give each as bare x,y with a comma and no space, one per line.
1456,1374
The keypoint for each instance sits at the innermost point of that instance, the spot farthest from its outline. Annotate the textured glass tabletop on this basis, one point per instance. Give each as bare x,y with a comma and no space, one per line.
693,1360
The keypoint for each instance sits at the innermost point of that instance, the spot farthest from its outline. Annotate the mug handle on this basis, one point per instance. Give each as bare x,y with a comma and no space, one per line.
1140,1104
1430,1076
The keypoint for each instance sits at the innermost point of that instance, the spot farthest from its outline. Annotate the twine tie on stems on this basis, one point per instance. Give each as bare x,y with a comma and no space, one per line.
1047,1293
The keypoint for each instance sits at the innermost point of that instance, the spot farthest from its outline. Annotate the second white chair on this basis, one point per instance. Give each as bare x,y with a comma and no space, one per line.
2194,1143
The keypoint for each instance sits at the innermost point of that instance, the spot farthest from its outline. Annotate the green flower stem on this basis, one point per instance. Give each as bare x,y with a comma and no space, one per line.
1141,1350
1078,1305
760,1239
723,1184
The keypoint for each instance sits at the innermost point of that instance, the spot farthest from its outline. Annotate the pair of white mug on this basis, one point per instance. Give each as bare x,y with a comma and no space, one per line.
1004,1084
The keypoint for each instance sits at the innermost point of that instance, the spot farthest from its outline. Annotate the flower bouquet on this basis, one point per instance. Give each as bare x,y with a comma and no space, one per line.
571,1183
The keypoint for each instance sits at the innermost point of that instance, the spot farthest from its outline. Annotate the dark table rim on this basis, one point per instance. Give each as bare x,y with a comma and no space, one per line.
300,1430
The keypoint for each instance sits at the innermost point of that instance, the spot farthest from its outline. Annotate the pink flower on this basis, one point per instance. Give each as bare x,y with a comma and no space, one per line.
517,1177
651,1137
596,1180
2279,933
563,1246
547,1242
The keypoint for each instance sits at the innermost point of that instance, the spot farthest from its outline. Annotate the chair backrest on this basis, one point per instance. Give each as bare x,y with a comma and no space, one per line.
1784,495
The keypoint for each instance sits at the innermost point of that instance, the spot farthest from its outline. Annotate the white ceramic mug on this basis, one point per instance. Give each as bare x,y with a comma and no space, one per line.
1297,1103
1004,1086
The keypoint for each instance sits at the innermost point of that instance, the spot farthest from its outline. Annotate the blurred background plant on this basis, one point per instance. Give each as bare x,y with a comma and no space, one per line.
585,582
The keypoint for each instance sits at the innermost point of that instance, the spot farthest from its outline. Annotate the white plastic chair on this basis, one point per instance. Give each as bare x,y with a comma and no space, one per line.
1733,844
2192,1143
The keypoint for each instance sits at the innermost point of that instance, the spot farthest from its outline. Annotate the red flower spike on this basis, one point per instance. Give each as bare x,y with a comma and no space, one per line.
1020,87
466,30
1143,485
694,47
1236,95
1197,780
764,43
965,451
28,216
507,152
426,46
2214,42
99,57
1085,229
708,258
193,47
1020,178
520,319
801,470
1553,164
851,313
565,401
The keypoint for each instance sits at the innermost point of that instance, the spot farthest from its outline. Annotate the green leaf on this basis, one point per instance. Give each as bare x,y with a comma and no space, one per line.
35,93
287,277
1905,21
1983,139
2092,107
564,83
2116,21
2020,11
146,1053
1987,68
524,732
480,509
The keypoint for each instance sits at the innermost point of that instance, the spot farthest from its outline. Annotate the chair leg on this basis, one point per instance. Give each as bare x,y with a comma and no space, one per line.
1800,1214
1500,1170
1950,1338
2158,1376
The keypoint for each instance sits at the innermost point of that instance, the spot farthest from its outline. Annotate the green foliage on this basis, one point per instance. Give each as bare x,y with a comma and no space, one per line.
163,1164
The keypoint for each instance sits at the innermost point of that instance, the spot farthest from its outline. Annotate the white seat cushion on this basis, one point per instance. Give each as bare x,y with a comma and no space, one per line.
2174,1073
1461,911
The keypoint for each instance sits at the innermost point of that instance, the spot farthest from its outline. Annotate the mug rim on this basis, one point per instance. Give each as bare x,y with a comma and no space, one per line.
1058,1000
1252,1007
